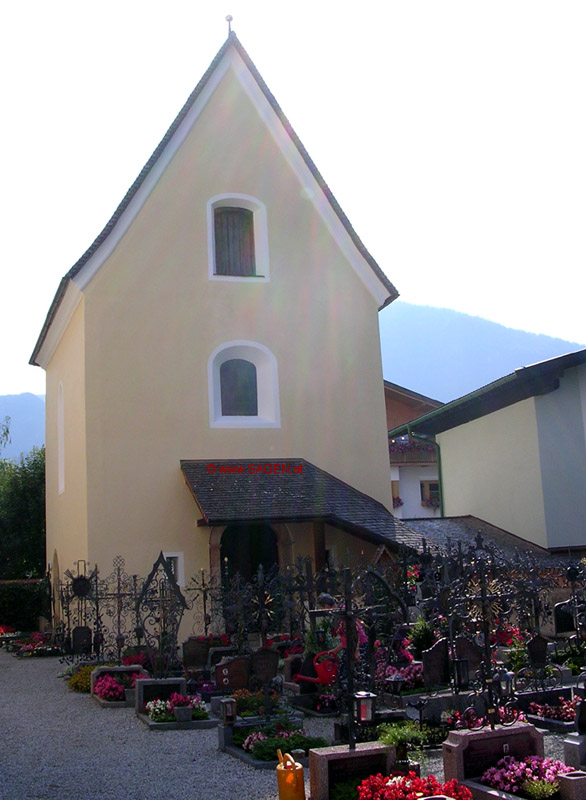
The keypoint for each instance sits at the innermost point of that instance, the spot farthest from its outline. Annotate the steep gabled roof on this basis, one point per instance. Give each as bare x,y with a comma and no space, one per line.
524,382
231,42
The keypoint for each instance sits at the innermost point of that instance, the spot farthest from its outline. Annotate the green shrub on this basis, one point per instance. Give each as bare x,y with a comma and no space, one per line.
267,750
345,790
21,604
421,637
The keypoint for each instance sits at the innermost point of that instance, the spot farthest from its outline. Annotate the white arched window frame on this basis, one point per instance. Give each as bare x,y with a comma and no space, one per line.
261,236
267,384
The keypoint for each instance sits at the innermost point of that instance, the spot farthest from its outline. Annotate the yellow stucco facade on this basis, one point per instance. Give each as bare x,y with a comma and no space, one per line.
134,358
502,484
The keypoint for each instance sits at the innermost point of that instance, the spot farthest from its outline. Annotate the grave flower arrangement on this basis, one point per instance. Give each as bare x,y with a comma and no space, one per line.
111,687
159,711
215,641
108,688
262,743
198,707
409,787
326,703
162,710
140,659
251,704
411,675
36,645
565,711
534,777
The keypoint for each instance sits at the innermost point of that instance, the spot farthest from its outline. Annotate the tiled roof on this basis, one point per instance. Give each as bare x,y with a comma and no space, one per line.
531,381
242,491
232,40
444,533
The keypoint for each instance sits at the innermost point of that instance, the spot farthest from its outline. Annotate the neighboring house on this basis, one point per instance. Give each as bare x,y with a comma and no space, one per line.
414,475
513,453
213,360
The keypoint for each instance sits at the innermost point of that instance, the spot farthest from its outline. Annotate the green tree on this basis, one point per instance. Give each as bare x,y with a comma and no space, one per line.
4,432
22,516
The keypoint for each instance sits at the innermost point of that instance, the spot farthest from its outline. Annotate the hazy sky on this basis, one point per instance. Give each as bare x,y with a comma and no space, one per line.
453,135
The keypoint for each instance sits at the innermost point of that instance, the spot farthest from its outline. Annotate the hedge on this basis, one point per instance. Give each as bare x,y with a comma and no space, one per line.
23,602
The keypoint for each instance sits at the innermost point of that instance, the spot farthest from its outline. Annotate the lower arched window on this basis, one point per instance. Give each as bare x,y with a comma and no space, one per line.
238,390
243,386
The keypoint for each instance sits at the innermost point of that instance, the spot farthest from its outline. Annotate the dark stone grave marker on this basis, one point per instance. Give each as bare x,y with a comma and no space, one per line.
264,664
157,688
195,653
233,674
537,649
436,664
563,619
81,640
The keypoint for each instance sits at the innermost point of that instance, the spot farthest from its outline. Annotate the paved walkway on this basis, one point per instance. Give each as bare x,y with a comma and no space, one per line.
59,745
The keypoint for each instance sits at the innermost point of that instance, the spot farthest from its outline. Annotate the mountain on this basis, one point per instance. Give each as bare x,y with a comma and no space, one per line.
27,423
437,352
445,354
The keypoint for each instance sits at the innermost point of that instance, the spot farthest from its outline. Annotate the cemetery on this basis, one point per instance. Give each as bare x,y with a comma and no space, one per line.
467,655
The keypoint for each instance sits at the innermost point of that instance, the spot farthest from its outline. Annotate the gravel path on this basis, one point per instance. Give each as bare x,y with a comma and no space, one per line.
59,745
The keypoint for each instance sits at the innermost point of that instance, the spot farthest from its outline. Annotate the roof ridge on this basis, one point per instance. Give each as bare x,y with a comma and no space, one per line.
232,40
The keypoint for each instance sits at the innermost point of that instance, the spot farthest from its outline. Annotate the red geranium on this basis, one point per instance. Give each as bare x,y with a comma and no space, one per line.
409,787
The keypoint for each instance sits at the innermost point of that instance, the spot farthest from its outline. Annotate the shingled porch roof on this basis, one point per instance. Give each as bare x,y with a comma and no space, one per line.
252,490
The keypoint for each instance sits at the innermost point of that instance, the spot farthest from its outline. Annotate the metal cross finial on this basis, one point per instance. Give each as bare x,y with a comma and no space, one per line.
229,21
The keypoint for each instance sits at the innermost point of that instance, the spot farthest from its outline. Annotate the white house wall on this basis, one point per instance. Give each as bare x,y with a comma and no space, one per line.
562,445
410,478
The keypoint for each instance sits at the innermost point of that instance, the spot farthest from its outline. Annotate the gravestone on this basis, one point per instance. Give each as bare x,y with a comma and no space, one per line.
331,765
537,650
217,654
468,753
468,661
195,653
264,664
157,689
563,619
81,640
233,674
436,664
470,651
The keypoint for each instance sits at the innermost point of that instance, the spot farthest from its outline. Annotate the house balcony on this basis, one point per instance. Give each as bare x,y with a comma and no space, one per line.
412,453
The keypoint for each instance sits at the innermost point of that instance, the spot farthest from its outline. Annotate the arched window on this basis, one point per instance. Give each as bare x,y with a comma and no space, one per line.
238,244
234,241
238,388
243,386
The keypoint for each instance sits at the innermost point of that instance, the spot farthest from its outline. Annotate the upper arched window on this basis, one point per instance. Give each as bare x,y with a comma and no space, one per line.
243,386
234,241
237,238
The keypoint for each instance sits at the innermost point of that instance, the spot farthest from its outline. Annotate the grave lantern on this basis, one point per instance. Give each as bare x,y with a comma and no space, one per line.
395,684
228,709
504,682
364,707
320,637
120,639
